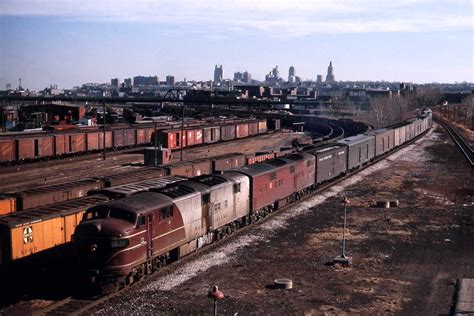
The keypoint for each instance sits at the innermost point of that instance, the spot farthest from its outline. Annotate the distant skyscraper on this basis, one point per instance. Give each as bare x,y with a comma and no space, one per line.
238,76
127,82
247,77
330,75
218,73
170,80
276,72
291,75
114,82
145,81
319,78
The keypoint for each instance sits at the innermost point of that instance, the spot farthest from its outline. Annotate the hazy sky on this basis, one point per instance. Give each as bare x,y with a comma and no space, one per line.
70,42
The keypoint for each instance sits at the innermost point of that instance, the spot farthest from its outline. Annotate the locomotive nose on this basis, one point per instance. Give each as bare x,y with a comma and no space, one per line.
92,228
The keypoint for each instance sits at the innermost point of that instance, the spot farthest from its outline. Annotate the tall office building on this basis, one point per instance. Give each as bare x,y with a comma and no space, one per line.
247,77
291,74
319,78
238,76
127,82
170,80
114,82
330,74
218,73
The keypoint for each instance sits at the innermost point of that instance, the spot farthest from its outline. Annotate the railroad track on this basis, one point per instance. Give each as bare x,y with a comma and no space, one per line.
459,140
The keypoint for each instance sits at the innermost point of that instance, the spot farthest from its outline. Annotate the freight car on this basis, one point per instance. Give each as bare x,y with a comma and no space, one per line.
36,197
19,147
31,232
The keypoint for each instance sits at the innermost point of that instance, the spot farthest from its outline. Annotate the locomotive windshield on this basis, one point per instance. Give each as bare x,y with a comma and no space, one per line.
102,211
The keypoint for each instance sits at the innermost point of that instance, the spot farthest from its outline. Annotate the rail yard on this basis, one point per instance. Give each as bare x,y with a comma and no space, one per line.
293,239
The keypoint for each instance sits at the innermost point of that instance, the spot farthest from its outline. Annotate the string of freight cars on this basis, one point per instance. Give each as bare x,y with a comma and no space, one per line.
25,147
120,241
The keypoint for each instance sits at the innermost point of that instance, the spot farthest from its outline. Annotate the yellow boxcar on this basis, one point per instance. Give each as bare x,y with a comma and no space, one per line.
7,205
26,233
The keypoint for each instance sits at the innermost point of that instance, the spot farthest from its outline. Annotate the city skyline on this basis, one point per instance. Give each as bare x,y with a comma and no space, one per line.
70,42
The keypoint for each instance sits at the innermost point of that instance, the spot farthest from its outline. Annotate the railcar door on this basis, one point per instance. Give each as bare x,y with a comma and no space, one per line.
206,198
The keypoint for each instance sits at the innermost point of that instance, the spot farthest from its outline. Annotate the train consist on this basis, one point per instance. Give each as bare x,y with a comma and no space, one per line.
120,241
20,147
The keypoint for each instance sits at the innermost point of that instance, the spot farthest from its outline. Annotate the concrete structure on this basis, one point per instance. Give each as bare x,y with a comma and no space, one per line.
330,75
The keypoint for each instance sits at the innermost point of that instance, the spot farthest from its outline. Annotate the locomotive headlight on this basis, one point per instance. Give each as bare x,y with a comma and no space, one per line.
119,243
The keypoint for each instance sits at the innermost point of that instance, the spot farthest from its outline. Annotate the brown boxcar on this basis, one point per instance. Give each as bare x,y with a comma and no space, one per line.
228,161
7,150
190,168
241,130
92,141
141,136
211,134
78,142
228,132
253,128
262,126
171,139
108,140
47,195
30,232
331,161
190,137
30,147
7,204
124,137
384,140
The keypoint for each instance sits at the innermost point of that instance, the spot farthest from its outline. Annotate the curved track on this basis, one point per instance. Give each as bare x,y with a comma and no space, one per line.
459,140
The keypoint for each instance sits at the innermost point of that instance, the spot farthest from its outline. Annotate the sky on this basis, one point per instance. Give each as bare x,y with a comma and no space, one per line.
71,42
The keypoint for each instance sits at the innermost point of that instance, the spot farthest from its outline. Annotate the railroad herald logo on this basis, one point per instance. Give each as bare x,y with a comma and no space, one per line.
28,234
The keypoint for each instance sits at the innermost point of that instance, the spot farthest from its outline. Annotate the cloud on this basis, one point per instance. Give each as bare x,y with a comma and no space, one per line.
277,17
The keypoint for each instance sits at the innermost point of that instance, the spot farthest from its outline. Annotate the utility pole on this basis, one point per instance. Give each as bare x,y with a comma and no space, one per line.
105,121
343,259
182,133
156,154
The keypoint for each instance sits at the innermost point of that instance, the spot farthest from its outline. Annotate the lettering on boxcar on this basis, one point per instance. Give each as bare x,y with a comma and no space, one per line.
27,234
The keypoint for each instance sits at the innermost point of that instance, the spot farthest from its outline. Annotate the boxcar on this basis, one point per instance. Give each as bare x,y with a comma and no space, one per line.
262,126
418,127
141,136
124,137
384,140
7,150
228,132
331,161
34,146
211,134
275,124
303,170
46,195
93,141
241,130
26,233
189,168
253,128
7,204
228,161
360,149
410,130
171,139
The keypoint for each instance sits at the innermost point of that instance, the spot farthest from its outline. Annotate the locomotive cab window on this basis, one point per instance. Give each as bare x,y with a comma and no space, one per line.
141,221
166,212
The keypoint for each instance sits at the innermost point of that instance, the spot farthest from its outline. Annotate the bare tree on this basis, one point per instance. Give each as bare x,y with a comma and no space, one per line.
388,110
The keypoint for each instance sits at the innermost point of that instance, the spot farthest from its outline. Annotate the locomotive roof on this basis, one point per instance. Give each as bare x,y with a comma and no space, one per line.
175,190
140,186
256,169
209,180
141,202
